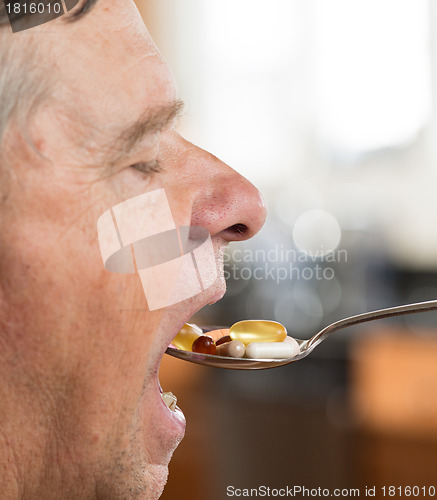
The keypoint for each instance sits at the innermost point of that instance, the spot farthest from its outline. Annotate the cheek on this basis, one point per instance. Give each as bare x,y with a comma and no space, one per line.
50,253
61,295
51,256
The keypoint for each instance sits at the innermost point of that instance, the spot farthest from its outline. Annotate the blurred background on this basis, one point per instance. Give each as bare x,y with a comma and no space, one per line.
329,107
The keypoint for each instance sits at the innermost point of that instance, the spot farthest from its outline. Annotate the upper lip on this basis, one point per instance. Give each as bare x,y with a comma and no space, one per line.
190,311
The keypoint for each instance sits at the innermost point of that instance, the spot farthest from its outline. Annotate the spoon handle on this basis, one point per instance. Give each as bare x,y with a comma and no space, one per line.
430,305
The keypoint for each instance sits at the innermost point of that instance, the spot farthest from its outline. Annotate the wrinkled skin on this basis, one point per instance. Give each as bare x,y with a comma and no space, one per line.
81,414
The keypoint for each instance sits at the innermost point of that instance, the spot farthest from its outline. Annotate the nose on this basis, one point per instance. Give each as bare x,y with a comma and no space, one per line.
229,206
223,201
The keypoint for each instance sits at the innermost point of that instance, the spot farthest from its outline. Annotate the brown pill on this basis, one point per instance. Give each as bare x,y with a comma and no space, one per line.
223,340
204,345
218,334
233,349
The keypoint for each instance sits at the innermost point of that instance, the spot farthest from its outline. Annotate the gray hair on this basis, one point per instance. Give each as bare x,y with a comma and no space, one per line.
15,85
22,85
24,80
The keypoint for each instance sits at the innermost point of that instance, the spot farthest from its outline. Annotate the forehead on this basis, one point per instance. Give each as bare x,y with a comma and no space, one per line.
109,69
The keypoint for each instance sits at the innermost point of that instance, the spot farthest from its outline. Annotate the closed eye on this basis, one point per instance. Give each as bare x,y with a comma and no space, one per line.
147,167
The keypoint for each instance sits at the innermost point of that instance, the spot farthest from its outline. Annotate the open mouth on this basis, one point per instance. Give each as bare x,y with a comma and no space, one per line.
174,319
168,416
169,399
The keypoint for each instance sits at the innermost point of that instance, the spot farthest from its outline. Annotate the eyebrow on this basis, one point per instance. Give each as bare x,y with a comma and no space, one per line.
150,122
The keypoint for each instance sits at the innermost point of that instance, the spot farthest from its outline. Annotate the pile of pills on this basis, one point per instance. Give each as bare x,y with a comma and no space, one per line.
254,339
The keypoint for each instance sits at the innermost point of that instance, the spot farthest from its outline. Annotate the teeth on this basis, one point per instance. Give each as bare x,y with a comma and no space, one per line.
170,400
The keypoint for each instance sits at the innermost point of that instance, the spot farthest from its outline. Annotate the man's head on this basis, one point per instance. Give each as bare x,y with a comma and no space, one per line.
87,122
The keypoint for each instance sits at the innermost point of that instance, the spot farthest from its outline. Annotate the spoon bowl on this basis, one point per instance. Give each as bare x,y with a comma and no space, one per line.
306,346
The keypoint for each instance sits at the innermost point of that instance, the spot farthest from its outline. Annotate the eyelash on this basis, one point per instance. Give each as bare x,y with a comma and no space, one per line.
147,167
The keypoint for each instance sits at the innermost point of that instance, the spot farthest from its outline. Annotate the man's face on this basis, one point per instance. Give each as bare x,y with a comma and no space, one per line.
91,346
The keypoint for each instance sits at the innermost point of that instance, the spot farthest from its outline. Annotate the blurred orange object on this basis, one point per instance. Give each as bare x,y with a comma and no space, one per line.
394,382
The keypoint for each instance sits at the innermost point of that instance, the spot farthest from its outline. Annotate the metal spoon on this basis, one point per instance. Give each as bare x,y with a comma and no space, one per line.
306,346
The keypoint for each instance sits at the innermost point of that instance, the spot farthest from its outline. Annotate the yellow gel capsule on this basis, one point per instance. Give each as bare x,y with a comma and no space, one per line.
257,331
186,336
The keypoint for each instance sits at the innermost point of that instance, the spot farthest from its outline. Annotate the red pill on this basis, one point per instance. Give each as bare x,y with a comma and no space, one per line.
218,334
204,345
223,340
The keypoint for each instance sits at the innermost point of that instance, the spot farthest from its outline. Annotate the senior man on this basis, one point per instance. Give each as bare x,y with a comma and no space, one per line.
81,415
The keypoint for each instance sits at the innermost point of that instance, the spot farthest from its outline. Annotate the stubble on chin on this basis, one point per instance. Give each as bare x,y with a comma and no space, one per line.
132,479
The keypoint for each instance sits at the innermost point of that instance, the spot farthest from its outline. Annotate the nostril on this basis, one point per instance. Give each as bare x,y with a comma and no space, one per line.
238,229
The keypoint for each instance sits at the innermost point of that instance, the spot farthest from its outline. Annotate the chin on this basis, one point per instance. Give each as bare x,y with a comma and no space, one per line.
160,427
139,467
